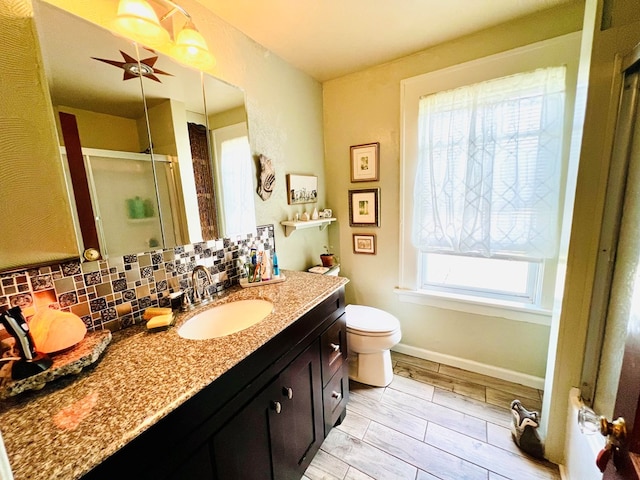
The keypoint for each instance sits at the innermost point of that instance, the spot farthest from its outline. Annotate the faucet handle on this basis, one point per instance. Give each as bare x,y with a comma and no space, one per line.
187,304
206,293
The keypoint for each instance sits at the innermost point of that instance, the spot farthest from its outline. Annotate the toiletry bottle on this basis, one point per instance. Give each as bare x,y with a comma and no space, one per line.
257,274
274,263
266,266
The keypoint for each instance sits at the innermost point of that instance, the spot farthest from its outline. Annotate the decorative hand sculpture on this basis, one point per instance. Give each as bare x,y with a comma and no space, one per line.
267,178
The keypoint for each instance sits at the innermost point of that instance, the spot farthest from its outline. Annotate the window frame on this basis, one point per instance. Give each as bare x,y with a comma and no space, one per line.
563,50
535,271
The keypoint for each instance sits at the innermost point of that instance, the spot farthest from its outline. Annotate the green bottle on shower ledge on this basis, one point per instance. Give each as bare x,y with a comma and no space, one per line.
135,207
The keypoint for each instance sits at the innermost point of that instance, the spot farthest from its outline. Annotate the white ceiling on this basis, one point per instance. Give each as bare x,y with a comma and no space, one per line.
331,38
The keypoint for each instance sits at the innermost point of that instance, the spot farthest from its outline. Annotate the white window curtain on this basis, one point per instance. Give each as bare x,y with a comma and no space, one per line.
489,167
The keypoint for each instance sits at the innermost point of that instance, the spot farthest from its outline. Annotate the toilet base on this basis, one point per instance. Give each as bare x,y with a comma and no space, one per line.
371,368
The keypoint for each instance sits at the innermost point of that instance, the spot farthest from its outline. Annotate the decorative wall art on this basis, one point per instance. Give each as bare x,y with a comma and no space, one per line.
302,189
267,177
364,207
364,243
365,162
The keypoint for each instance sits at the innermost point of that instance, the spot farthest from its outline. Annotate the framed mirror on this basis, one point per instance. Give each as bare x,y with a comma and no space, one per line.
135,130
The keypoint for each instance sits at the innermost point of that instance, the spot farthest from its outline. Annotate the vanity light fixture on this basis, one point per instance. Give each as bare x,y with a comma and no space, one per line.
138,21
191,47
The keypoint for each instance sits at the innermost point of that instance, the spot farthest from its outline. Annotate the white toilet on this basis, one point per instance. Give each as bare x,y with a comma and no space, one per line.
370,335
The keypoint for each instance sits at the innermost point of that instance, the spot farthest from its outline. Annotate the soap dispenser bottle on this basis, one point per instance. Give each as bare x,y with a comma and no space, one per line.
274,263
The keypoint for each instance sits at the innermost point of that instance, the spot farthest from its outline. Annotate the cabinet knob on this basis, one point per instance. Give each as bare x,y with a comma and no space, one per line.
276,407
287,392
336,395
336,347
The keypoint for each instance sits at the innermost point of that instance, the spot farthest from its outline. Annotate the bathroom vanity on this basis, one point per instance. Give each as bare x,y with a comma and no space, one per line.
255,404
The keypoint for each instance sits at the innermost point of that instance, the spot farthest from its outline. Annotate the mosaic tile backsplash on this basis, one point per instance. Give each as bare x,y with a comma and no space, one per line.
114,293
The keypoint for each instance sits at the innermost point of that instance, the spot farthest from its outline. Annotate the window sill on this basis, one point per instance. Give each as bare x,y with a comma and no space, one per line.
489,307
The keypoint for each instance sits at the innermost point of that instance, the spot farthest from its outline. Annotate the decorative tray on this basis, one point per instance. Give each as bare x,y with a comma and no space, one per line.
67,362
244,283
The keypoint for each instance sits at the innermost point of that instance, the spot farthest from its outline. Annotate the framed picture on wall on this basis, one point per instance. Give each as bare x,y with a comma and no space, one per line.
364,207
364,243
302,189
365,162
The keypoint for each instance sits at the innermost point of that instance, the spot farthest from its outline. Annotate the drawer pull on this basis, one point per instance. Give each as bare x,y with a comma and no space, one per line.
276,407
336,395
287,392
336,348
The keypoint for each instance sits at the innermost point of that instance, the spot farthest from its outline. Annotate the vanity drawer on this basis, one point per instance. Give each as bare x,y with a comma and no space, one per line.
334,348
335,397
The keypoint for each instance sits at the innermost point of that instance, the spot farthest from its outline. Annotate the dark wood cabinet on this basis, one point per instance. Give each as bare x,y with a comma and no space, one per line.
197,467
335,373
263,419
275,435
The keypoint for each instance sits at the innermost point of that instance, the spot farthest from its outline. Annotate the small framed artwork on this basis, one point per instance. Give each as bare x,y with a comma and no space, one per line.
364,207
364,243
302,189
365,162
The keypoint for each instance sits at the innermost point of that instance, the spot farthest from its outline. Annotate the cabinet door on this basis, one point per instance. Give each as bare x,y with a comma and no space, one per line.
198,467
242,449
276,435
298,430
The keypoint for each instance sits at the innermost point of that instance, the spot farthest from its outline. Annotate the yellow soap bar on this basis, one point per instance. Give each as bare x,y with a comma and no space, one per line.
160,321
155,311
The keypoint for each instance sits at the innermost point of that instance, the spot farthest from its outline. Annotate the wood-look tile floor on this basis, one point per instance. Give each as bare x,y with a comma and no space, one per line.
432,422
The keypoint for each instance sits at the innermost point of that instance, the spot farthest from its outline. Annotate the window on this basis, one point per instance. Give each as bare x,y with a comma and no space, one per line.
235,173
483,149
488,182
495,277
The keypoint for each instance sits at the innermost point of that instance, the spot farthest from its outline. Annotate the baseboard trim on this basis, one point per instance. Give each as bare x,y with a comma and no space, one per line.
472,366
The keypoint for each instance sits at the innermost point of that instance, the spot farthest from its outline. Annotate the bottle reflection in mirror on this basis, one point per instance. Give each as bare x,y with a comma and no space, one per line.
138,208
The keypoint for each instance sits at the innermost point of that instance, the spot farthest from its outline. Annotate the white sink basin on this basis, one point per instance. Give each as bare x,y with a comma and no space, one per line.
225,319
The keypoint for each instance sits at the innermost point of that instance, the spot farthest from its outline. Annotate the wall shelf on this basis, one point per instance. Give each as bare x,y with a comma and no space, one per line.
291,226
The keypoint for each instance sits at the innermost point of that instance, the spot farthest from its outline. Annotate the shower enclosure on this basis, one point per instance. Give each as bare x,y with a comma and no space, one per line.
130,214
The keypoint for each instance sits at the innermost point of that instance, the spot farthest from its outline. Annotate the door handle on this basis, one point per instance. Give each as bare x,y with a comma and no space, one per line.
615,432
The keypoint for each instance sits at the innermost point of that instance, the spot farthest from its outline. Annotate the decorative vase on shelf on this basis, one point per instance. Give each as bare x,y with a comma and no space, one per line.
314,215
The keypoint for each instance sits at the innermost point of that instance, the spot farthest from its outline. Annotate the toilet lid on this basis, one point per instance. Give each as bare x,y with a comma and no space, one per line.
370,320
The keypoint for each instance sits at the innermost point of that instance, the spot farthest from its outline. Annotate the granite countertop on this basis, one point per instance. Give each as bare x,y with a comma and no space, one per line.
76,422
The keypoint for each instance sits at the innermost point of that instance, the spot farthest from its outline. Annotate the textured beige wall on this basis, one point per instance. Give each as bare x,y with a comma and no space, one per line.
365,107
34,207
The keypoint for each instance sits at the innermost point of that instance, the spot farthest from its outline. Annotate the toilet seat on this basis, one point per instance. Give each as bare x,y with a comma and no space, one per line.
366,333
369,321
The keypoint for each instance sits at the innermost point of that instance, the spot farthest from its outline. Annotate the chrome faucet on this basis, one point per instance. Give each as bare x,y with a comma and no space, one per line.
195,282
